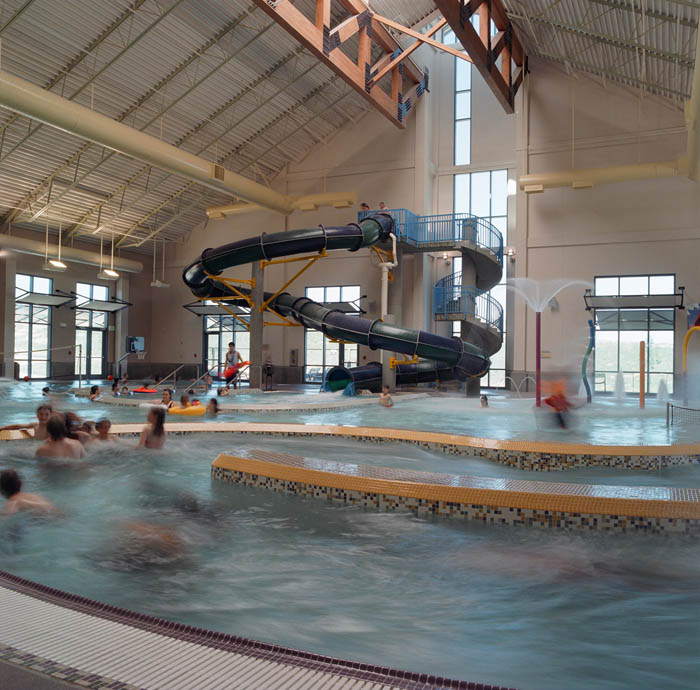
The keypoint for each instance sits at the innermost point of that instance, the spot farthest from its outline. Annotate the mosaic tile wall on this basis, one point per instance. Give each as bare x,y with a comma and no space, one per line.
493,515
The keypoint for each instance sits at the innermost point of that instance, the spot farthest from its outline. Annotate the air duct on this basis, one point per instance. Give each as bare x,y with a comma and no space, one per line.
39,104
24,246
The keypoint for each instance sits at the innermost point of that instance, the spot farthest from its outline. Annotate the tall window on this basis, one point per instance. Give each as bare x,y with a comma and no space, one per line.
90,331
219,331
32,328
320,353
485,194
619,332
463,112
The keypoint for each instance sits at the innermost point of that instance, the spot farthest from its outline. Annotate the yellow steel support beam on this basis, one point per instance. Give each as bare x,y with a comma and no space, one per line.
393,361
219,301
310,261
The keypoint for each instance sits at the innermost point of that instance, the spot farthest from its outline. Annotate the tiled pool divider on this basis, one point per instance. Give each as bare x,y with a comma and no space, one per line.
535,456
580,507
278,657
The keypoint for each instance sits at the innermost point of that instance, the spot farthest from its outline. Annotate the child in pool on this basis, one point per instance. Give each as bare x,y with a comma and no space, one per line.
94,393
102,428
125,390
11,489
385,397
184,400
43,414
484,401
59,444
212,407
153,434
167,398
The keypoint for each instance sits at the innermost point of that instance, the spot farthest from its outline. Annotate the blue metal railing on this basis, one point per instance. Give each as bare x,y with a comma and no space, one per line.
444,229
450,297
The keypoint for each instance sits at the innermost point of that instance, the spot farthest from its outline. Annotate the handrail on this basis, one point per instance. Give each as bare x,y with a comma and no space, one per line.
172,373
451,297
206,373
445,228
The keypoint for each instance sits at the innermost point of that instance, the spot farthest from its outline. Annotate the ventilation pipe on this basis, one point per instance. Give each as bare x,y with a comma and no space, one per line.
42,105
587,177
80,256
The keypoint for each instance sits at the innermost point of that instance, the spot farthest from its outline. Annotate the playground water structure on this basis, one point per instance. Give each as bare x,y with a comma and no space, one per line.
443,358
342,581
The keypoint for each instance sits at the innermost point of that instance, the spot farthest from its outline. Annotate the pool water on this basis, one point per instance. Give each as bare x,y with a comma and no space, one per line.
524,608
606,421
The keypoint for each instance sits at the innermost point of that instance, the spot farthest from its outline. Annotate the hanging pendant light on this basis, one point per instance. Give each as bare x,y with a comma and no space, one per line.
108,273
53,264
156,283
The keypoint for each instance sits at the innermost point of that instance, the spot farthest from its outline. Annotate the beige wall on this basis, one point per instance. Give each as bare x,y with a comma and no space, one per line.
648,226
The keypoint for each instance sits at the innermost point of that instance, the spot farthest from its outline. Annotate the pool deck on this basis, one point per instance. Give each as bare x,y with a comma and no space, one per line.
515,502
88,644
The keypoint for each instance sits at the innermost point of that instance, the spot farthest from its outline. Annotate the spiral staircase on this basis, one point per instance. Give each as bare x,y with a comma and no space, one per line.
461,296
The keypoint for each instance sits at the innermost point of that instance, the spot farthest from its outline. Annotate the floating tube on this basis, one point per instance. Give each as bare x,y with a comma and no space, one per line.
192,411
232,371
451,357
144,390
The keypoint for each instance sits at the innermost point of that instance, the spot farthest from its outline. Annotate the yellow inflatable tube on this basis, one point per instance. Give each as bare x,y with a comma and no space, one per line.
192,411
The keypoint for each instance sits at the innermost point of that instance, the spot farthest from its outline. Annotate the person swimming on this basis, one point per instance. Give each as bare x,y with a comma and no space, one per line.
11,489
212,407
43,414
167,398
153,434
184,400
385,397
94,393
59,445
102,428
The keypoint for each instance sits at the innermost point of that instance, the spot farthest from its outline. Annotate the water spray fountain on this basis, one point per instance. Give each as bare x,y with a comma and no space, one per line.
537,294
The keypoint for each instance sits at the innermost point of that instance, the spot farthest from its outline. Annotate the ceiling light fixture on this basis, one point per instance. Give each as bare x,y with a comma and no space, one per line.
53,264
107,273
155,282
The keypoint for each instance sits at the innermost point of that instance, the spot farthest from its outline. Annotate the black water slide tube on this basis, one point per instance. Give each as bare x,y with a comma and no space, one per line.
450,357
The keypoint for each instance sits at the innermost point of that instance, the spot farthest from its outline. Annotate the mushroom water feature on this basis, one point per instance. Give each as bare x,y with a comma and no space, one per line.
537,294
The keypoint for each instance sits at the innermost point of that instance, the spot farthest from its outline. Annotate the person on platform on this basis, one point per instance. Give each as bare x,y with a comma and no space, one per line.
233,360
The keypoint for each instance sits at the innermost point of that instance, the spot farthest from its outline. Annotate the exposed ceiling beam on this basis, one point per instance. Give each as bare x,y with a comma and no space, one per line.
614,41
15,16
479,46
317,40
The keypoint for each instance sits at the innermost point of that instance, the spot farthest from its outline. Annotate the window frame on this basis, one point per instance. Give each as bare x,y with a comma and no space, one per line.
238,328
341,346
91,327
648,330
29,359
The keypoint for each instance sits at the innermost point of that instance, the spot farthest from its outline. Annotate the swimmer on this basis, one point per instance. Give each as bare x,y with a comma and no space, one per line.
212,407
385,397
11,489
94,393
58,444
153,434
75,427
167,398
102,428
124,390
484,400
206,383
184,400
43,413
224,391
46,391
115,389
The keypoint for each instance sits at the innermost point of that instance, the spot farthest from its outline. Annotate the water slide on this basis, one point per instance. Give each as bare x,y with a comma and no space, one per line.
447,358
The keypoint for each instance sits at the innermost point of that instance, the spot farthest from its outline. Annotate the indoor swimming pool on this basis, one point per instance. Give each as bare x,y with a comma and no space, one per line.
605,422
151,532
